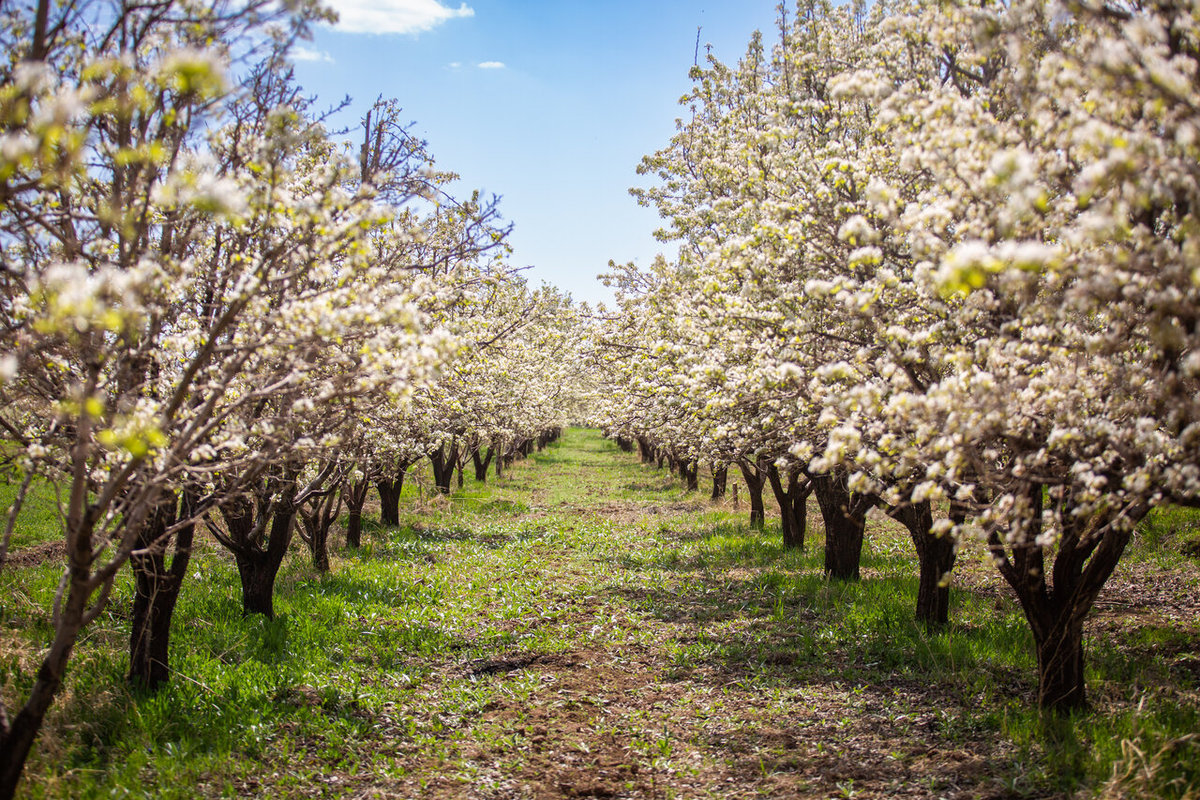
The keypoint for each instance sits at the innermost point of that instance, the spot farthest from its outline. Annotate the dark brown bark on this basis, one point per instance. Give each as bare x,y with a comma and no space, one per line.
646,450
1085,555
17,735
16,739
935,556
720,482
482,462
317,516
844,514
354,494
389,488
82,596
257,571
39,47
389,499
258,530
793,505
444,460
156,589
690,472
354,528
755,475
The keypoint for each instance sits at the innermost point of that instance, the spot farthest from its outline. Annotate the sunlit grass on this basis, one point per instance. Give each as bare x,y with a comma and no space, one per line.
373,671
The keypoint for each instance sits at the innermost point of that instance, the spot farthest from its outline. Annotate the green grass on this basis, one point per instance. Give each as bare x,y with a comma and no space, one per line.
1170,535
586,612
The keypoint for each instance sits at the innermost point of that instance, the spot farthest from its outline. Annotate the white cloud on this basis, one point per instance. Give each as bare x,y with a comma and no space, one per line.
394,16
491,65
301,53
455,64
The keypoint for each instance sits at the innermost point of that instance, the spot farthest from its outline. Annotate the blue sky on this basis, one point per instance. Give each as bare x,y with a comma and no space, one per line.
550,105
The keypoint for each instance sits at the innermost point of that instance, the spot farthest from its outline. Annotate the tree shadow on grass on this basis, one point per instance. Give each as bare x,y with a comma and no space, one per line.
358,590
741,611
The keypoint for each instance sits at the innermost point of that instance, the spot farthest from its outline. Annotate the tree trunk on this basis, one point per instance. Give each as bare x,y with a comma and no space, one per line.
258,583
645,450
720,481
153,607
18,735
1084,557
354,494
481,464
1060,667
793,506
317,515
17,738
935,555
444,461
844,514
156,590
754,475
692,474
320,550
258,568
389,499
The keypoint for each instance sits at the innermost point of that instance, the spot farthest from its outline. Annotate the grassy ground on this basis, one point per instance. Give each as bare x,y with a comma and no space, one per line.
586,629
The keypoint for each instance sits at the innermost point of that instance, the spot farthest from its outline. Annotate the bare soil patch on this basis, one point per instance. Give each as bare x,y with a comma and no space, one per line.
36,555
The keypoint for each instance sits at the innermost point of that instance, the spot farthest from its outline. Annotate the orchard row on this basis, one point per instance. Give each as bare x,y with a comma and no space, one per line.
217,317
941,259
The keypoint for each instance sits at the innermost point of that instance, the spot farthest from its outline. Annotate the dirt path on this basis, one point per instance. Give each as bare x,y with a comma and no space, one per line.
617,681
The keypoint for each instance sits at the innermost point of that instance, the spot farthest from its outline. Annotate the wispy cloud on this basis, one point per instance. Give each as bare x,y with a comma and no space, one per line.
490,65
394,16
301,53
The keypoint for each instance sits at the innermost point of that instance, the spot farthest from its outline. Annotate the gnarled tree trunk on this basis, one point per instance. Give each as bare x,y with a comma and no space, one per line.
354,495
156,588
845,514
444,460
85,595
690,472
720,482
317,516
1085,555
793,505
755,475
390,488
258,531
935,557
482,463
